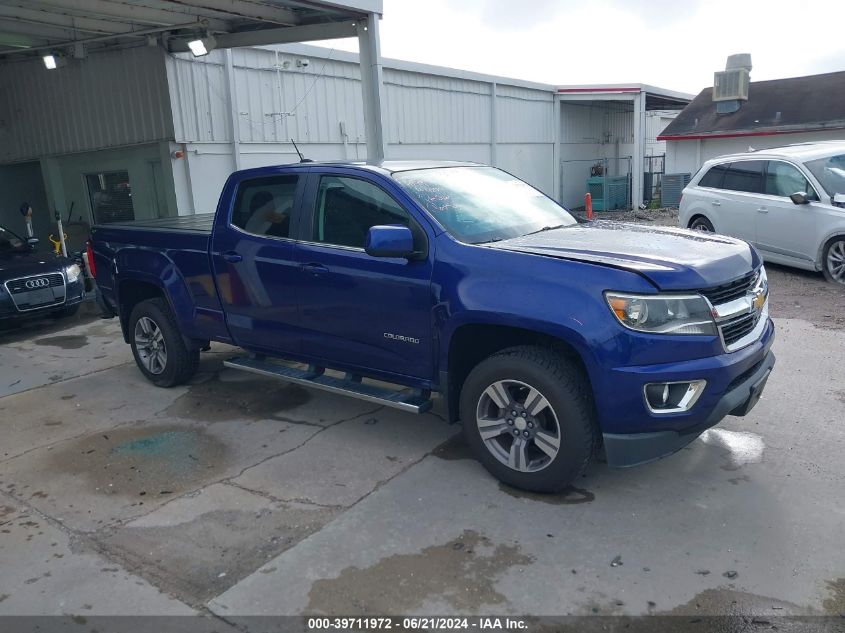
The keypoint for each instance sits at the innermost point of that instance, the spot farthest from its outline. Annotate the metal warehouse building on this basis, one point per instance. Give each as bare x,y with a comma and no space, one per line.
134,131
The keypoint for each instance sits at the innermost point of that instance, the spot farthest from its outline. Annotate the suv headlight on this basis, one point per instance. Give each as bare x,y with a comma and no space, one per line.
663,314
72,272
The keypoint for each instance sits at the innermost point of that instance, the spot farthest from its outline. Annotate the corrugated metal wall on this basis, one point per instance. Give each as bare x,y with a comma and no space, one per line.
277,100
108,99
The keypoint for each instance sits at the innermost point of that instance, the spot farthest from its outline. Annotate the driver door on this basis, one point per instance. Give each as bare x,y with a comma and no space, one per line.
784,228
359,311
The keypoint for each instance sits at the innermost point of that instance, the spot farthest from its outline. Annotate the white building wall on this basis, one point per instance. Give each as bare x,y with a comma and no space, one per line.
688,156
428,115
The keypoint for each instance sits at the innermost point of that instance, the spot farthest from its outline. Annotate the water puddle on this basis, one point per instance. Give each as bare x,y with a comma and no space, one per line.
68,341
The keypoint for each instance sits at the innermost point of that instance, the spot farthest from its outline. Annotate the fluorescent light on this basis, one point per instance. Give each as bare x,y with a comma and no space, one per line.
50,61
204,46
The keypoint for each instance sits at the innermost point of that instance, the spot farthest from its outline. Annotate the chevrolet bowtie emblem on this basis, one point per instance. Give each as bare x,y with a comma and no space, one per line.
759,300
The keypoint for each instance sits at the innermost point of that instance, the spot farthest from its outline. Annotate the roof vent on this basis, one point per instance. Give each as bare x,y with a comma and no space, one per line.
732,83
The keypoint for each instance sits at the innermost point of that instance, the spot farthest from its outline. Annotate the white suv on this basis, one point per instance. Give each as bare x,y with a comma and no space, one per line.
789,202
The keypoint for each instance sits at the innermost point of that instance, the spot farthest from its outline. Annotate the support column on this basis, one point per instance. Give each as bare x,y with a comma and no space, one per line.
494,125
557,188
373,87
231,93
639,150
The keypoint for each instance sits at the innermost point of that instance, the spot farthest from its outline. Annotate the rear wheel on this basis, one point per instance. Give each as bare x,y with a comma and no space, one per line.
833,260
702,224
159,349
528,415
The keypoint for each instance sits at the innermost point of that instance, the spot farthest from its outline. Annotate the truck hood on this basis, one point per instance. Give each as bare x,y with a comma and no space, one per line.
23,264
672,259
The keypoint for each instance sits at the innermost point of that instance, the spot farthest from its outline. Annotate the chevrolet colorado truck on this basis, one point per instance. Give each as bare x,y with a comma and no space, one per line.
548,338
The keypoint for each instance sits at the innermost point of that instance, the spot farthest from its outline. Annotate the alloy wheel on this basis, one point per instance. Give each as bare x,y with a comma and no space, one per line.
836,261
518,425
149,342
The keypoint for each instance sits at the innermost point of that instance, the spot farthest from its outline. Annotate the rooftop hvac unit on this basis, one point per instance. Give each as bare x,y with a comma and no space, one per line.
672,186
730,85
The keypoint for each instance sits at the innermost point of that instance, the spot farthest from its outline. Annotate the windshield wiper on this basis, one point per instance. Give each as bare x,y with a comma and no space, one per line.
546,228
495,239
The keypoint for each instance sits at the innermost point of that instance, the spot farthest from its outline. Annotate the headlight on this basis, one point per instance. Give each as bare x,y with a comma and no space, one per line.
72,272
663,314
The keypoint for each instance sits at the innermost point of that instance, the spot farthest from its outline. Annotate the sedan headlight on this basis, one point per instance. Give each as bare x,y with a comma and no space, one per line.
663,314
72,272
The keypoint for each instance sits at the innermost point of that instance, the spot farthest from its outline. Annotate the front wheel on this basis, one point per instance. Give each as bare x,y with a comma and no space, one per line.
528,416
833,260
702,224
157,345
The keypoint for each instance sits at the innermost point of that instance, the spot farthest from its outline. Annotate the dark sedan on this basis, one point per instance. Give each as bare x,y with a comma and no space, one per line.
36,284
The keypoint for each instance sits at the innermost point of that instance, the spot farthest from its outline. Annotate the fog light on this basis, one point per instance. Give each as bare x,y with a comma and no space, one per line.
673,397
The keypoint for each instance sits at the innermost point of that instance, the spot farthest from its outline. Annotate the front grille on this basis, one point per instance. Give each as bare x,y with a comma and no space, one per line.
733,290
17,286
47,291
736,328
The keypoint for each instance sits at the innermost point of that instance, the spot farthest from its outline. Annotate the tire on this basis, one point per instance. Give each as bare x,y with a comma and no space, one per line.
833,260
701,223
165,360
565,399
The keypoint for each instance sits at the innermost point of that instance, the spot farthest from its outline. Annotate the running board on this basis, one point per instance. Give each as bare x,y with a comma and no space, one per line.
407,399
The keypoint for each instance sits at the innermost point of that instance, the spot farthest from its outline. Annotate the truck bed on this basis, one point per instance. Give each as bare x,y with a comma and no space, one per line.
200,223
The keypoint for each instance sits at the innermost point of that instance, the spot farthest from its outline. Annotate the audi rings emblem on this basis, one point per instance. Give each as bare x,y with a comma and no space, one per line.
37,283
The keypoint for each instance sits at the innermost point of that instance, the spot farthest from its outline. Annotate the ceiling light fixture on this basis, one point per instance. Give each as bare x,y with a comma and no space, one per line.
203,46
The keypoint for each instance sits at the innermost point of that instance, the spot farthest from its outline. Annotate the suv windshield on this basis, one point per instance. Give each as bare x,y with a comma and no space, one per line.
9,242
830,172
483,204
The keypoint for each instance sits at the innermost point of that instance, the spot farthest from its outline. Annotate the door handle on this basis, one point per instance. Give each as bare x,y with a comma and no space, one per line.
232,257
716,203
314,269
762,210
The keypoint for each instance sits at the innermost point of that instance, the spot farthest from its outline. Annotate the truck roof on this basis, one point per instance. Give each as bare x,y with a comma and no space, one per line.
384,167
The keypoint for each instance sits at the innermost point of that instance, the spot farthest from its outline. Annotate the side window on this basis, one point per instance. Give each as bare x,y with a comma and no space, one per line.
783,179
746,175
264,206
348,207
713,178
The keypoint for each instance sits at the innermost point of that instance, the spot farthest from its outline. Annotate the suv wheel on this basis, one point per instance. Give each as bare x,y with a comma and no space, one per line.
833,260
159,349
528,415
702,224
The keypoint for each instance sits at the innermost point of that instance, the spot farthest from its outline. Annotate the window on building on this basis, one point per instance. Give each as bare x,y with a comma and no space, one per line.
745,176
348,207
264,206
714,177
110,195
783,179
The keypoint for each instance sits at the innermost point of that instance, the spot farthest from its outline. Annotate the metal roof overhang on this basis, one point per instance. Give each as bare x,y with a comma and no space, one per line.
35,26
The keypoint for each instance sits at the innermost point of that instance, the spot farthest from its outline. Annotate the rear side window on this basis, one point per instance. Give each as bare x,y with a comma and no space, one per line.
264,206
746,176
348,207
783,179
714,177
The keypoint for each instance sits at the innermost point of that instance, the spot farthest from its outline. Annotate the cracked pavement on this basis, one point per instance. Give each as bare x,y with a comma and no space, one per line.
237,495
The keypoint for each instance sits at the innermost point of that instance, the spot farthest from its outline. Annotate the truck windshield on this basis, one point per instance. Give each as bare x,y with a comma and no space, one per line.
483,204
830,172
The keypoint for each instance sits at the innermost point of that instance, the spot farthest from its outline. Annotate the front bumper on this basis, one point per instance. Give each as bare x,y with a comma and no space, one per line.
74,294
735,381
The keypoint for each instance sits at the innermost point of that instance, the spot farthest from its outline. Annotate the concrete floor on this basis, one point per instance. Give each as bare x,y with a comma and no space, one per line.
241,496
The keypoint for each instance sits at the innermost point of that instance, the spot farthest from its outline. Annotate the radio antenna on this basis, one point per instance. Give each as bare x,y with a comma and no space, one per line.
302,158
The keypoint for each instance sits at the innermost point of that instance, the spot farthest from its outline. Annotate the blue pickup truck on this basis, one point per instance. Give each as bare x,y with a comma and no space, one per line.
549,338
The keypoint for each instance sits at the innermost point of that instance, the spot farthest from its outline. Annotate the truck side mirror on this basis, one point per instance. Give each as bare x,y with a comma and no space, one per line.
800,197
838,200
389,241
32,242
